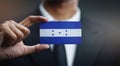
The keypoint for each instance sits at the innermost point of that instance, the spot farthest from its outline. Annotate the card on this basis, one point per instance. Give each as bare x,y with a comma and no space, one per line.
60,32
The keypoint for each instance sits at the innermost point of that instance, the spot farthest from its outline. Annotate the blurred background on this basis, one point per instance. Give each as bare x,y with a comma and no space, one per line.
19,9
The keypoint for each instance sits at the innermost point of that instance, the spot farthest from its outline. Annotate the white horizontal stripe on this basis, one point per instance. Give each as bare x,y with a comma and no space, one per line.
60,32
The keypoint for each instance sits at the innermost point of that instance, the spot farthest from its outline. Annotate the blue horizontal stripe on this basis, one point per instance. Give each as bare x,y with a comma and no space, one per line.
60,40
60,25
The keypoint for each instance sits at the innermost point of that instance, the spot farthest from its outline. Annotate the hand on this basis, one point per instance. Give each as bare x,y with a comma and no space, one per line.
12,34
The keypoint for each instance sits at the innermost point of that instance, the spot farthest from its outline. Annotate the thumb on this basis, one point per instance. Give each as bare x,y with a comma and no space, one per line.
35,48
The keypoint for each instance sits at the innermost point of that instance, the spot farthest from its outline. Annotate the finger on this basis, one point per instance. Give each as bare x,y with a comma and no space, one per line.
24,30
9,36
17,31
35,48
33,19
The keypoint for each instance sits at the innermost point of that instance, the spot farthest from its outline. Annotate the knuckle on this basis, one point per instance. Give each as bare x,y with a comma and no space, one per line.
26,31
12,21
20,35
30,18
3,26
7,22
14,37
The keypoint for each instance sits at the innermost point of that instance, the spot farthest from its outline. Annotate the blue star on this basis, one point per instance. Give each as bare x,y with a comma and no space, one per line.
52,30
66,30
59,32
52,34
66,34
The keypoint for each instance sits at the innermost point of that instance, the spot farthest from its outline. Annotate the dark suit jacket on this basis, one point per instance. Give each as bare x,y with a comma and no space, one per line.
100,43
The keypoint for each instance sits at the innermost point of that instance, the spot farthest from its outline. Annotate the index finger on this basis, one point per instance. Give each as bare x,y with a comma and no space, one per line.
32,19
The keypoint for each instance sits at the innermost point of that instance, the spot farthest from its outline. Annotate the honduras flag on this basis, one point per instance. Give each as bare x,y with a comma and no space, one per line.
60,32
